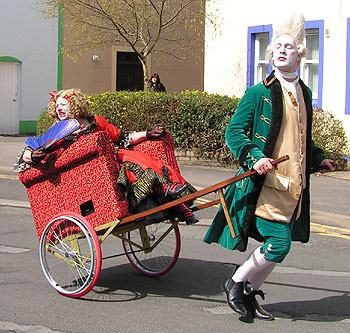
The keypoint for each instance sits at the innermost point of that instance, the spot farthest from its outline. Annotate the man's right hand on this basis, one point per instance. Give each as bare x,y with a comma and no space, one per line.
263,166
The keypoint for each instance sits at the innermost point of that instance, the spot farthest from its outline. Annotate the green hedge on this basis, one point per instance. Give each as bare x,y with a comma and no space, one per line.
197,120
329,134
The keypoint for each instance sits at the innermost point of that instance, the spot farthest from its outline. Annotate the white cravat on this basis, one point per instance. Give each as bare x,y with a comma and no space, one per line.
289,85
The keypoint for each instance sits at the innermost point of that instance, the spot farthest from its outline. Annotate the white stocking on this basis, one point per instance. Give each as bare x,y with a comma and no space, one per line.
254,264
258,279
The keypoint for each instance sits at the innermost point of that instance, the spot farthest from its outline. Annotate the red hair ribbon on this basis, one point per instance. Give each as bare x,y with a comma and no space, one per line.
53,94
69,96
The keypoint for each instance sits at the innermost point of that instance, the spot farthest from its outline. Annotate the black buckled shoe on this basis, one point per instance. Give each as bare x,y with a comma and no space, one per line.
187,216
172,194
234,294
254,308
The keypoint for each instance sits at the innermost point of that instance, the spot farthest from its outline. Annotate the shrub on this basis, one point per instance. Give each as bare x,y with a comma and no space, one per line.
329,134
197,120
44,122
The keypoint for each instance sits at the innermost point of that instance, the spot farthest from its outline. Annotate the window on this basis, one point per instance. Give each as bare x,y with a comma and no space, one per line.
311,68
261,69
258,66
347,94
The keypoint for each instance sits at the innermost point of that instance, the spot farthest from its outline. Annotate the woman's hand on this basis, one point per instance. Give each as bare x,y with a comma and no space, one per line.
156,132
263,166
327,166
38,155
34,156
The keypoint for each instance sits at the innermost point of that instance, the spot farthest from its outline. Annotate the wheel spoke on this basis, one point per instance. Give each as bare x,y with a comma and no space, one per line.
70,255
160,257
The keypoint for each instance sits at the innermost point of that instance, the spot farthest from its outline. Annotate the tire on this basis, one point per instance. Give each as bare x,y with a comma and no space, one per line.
70,255
162,258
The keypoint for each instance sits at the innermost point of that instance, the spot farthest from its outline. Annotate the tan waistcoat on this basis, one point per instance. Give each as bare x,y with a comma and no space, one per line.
282,189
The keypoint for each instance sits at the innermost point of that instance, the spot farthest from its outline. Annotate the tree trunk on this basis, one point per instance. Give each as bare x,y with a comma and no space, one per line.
146,75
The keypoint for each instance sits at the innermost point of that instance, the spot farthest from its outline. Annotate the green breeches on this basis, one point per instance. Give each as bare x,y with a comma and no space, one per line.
278,238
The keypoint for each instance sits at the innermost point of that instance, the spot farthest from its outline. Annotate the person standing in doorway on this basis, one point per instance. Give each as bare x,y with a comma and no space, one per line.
155,83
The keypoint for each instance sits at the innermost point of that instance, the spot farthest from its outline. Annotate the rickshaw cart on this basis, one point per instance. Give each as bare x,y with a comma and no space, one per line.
76,203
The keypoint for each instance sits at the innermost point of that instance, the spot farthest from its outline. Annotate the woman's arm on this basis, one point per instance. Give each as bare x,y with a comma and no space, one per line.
27,157
133,137
136,137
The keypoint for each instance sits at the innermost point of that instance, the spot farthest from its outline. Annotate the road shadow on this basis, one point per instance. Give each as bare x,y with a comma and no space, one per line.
189,278
328,309
200,280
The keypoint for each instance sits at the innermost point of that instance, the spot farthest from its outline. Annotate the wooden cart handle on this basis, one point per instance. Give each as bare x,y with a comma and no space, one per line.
223,201
198,194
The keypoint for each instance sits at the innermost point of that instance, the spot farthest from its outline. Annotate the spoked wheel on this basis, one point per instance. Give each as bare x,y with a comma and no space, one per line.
70,255
153,249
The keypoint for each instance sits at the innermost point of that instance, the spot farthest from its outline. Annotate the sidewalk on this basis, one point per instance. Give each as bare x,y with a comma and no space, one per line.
10,147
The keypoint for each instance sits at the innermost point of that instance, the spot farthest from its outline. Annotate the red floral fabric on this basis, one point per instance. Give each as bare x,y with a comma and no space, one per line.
86,172
162,148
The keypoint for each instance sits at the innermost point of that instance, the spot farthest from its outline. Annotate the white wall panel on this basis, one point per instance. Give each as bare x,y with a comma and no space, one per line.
9,98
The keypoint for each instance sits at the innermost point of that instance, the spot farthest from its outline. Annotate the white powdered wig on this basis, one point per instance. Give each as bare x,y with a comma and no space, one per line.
291,23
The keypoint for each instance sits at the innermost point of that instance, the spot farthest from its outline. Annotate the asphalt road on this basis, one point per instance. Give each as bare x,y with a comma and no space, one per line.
309,291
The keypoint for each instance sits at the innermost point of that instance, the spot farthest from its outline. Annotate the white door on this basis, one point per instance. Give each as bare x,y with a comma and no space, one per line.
9,72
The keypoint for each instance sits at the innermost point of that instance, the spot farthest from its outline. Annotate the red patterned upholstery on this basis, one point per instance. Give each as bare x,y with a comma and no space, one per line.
80,178
162,148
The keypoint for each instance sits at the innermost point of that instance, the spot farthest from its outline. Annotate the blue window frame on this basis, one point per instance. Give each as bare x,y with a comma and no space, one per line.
253,32
314,35
347,94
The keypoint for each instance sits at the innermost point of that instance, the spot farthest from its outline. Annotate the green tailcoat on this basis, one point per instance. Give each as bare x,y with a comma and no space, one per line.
251,135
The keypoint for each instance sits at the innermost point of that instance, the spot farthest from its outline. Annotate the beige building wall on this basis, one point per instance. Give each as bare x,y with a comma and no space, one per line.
183,75
93,77
226,51
88,75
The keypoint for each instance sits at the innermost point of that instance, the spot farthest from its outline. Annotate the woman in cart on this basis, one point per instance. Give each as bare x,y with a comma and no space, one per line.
141,175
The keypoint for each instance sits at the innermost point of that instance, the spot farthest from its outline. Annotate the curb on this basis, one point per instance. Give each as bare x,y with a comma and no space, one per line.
14,203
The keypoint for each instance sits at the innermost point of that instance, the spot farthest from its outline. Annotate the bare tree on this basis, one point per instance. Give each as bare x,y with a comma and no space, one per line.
169,27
